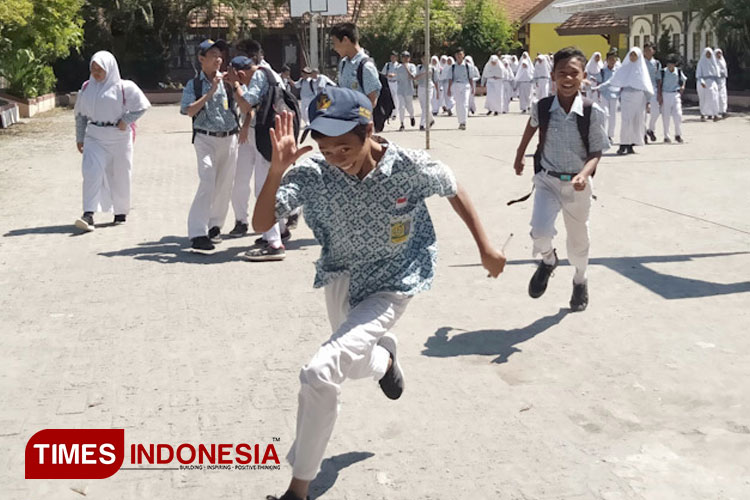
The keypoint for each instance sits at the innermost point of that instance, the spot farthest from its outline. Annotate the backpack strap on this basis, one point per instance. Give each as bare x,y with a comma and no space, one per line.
584,123
453,72
311,86
360,75
543,108
197,93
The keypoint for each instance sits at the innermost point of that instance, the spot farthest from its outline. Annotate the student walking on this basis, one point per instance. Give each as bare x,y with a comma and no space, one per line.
707,76
405,75
654,68
492,78
425,91
523,79
609,95
460,85
723,75
106,110
671,82
390,71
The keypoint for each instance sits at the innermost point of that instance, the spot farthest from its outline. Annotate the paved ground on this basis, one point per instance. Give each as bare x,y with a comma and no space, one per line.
643,396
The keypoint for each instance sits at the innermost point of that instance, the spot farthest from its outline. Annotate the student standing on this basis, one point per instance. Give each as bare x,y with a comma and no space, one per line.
445,78
424,91
671,86
105,112
654,68
460,86
437,96
634,82
564,164
723,75
210,102
389,70
609,95
345,39
524,79
492,78
593,69
541,77
368,280
707,76
507,85
405,75
307,91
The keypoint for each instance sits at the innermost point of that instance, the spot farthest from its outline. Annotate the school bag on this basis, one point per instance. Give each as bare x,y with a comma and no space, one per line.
198,93
384,106
277,100
469,71
679,76
543,113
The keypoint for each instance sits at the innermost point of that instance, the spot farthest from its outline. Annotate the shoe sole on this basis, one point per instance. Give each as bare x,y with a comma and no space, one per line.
264,258
84,226
392,344
201,251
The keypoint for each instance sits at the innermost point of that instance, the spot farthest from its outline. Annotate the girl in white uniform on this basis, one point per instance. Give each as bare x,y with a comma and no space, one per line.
636,89
541,77
106,110
475,77
445,76
437,96
707,78
523,79
424,92
492,77
593,68
723,75
507,85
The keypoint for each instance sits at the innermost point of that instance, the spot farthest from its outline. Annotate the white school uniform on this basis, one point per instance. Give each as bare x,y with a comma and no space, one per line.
461,75
523,81
541,78
392,67
492,75
424,92
707,76
447,101
474,78
654,67
671,100
405,90
723,75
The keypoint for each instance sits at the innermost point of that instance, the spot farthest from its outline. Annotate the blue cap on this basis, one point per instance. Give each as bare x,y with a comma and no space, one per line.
336,111
208,44
241,62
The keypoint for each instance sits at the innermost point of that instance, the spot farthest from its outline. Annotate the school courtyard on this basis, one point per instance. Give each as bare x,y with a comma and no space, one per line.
646,395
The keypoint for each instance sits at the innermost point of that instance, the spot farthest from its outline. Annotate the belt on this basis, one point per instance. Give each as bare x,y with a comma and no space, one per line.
104,124
559,175
216,134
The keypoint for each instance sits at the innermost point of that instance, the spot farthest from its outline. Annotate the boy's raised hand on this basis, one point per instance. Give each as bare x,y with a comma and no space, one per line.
284,144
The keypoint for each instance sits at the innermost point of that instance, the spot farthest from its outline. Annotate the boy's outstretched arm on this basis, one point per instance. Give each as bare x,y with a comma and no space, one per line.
521,152
492,259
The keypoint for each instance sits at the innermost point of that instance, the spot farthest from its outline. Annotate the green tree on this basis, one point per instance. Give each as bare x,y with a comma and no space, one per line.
485,30
30,44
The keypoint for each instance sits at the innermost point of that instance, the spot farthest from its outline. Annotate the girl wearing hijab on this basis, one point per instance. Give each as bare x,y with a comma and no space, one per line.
436,96
445,76
507,85
492,78
593,68
423,91
723,75
707,78
474,79
636,89
523,80
541,77
105,111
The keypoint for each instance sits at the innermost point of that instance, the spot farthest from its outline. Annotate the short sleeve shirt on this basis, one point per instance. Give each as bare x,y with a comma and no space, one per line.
406,84
671,81
564,150
654,68
348,74
460,73
216,115
376,230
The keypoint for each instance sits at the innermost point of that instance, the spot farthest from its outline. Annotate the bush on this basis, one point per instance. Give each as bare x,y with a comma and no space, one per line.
27,75
485,31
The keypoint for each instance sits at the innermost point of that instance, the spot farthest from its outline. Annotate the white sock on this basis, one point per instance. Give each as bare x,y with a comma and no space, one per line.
549,257
579,277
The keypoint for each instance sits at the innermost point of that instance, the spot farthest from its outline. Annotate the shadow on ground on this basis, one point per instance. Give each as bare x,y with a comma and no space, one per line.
667,286
499,343
330,468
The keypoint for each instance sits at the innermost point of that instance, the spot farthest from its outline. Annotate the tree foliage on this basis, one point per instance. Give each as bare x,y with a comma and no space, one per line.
30,40
485,30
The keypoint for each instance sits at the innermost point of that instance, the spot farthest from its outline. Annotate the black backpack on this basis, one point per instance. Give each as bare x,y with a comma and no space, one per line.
198,93
277,100
583,122
384,106
679,76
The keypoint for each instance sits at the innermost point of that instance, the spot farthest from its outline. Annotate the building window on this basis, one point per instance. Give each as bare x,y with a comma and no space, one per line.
636,41
709,39
696,45
646,38
676,41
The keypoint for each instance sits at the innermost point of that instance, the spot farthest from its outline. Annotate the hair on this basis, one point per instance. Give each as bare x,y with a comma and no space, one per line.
460,49
673,59
360,131
612,52
569,53
250,47
285,68
348,30
649,45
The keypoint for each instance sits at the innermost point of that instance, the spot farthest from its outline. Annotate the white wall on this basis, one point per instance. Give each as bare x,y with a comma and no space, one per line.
550,15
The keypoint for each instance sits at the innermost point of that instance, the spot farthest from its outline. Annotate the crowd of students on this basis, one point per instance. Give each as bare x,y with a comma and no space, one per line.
365,186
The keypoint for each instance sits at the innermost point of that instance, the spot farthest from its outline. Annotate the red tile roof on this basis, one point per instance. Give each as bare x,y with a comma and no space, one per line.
592,23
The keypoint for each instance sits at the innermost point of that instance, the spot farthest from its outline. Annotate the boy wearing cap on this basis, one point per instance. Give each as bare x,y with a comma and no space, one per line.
364,200
345,39
389,70
671,82
215,131
405,76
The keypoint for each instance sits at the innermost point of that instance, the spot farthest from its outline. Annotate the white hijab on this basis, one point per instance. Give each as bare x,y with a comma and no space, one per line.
541,67
721,62
435,62
594,67
493,68
707,66
633,74
525,74
108,100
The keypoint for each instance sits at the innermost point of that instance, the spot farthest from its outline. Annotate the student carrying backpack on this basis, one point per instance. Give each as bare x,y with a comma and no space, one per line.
384,106
277,100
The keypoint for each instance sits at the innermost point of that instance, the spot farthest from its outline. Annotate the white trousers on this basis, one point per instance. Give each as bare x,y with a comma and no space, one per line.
723,99
541,86
655,112
405,103
394,94
106,165
305,109
507,95
633,116
446,100
551,196
672,109
472,100
217,161
495,95
249,162
423,103
351,353
435,103
524,95
461,93
709,98
610,106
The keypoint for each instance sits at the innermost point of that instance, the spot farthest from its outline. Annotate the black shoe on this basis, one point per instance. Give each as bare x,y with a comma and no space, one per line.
538,283
214,234
667,140
401,128
421,128
450,112
286,496
292,221
651,135
622,150
412,121
496,113
645,139
86,222
432,123
265,253
285,236
630,150
119,219
392,382
679,139
240,229
489,113
580,298
202,243
717,118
